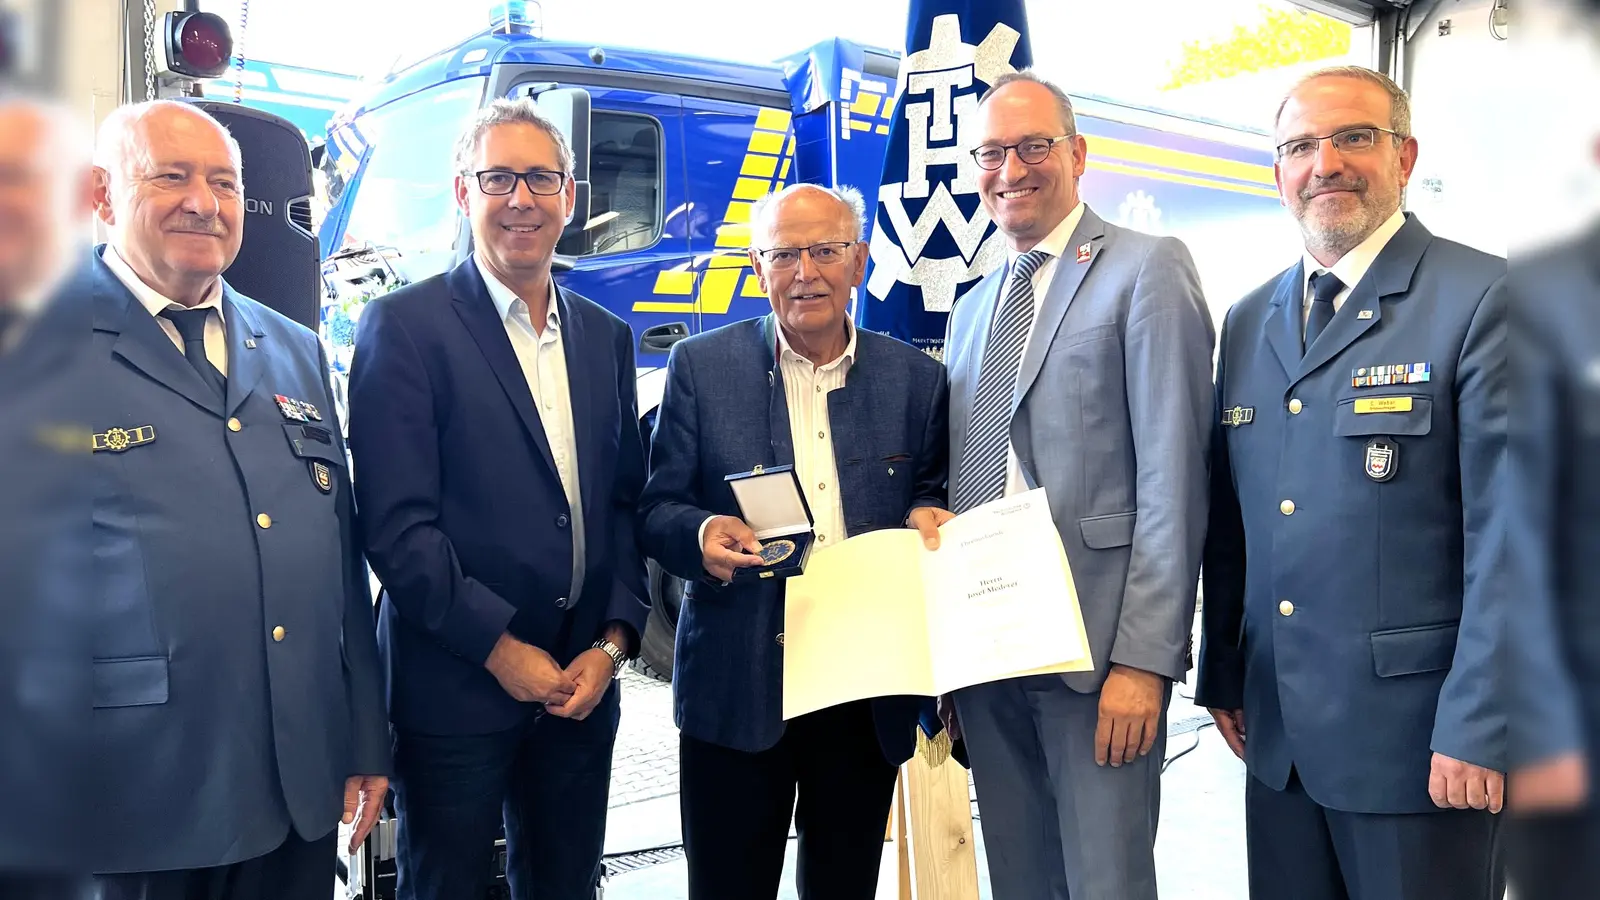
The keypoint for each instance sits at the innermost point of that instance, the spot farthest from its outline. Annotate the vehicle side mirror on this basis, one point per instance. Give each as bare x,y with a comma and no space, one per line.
568,108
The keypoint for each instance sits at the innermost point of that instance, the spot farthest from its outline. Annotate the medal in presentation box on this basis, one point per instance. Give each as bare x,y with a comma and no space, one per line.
773,505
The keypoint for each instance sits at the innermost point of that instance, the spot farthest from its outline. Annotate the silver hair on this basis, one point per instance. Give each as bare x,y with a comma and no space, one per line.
1399,102
1063,102
118,140
847,196
522,111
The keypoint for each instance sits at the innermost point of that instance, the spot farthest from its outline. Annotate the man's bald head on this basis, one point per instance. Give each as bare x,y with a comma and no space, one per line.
169,189
45,196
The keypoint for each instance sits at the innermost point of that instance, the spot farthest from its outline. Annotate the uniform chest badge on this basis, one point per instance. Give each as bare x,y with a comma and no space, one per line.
117,440
1385,376
322,476
296,410
1239,415
1383,459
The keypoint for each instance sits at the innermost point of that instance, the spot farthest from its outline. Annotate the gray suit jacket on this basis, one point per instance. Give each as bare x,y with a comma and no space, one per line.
1112,419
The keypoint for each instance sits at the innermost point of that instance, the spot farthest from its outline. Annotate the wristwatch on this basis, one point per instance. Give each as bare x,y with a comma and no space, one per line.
618,658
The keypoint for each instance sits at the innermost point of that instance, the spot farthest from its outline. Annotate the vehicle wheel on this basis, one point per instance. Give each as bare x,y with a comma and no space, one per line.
660,632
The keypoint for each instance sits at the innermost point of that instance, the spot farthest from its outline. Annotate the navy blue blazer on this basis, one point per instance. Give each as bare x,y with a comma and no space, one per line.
235,680
45,587
724,412
467,525
1357,628
1553,487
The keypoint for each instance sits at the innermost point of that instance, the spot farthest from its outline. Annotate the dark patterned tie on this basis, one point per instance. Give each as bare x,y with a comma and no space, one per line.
1324,287
191,325
983,465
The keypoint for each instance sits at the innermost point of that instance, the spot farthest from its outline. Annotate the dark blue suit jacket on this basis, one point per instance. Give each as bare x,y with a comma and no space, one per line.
467,524
724,412
1553,614
216,732
1387,653
46,588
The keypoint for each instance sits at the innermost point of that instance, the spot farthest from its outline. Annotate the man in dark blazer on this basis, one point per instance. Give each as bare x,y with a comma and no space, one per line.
495,432
1353,617
861,417
45,588
236,690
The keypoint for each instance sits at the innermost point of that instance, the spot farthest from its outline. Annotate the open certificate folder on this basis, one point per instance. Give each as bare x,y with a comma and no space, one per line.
880,614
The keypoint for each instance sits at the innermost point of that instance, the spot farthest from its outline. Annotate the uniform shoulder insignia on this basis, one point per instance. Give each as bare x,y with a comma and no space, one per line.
116,440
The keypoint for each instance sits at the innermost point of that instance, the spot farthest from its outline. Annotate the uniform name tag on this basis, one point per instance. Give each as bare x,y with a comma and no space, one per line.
1383,404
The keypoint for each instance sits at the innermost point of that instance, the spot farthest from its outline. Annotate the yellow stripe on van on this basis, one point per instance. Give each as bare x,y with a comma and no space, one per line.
1193,163
1106,166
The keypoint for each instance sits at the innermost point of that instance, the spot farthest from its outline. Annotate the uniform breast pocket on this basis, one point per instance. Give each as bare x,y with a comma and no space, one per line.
1396,415
316,446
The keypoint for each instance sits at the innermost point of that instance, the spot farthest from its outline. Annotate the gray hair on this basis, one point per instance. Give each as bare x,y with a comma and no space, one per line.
522,111
1063,102
118,141
1399,102
847,196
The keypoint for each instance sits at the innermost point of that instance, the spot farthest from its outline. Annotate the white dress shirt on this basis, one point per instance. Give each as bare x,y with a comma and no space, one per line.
806,388
805,391
1055,244
1352,267
152,300
544,366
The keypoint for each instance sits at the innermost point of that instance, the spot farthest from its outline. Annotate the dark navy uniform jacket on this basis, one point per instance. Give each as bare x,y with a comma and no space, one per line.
235,680
1350,606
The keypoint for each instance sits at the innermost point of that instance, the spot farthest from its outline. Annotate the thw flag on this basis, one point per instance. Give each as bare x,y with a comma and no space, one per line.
931,237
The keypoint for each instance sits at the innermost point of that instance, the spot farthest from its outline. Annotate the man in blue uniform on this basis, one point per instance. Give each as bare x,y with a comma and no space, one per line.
1350,622
237,700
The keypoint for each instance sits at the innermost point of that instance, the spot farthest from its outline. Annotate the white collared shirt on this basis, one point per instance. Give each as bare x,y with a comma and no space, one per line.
806,388
544,366
1055,244
1352,267
156,304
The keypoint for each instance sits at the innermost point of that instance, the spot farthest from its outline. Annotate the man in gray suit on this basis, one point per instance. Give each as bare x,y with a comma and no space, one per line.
1099,392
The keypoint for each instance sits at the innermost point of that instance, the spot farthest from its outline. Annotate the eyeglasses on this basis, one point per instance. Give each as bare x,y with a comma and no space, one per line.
828,253
1031,151
1350,141
499,182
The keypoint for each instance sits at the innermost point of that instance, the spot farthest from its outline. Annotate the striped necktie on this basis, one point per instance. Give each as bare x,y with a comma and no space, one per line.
983,461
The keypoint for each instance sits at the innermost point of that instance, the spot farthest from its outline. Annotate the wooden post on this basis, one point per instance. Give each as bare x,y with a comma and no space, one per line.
940,825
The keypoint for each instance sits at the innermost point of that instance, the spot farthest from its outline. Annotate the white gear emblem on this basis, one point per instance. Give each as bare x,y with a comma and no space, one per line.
950,71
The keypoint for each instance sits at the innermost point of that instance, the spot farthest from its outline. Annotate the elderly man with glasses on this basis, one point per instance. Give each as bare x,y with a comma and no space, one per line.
861,418
494,423
1353,569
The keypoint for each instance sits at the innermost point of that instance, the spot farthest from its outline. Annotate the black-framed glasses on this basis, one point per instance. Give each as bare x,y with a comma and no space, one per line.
1348,141
827,253
1031,151
499,182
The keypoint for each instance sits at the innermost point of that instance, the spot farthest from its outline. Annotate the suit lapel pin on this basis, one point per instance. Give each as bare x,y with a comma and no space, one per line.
249,343
1364,314
1085,251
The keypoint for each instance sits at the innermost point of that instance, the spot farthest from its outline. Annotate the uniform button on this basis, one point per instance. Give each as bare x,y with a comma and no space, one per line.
233,425
561,521
1286,507
562,603
1295,406
277,633
264,520
780,639
1286,608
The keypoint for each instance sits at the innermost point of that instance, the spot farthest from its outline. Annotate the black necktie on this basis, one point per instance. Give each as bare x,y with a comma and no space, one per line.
1324,287
191,325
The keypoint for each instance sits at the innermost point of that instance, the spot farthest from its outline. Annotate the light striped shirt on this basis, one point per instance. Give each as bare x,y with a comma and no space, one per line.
806,388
